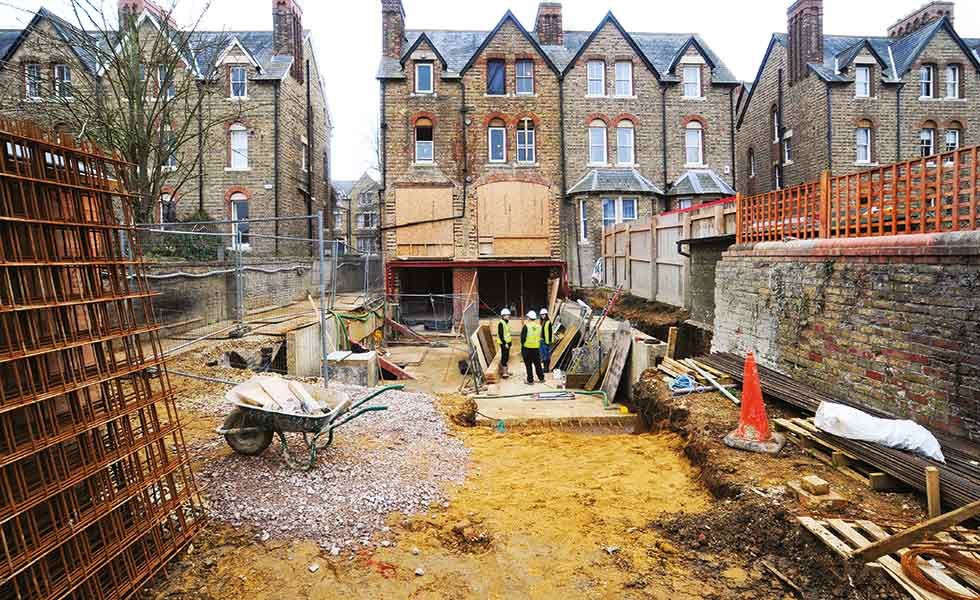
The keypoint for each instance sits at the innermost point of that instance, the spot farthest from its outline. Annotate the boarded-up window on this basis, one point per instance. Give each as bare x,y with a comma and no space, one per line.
424,220
514,219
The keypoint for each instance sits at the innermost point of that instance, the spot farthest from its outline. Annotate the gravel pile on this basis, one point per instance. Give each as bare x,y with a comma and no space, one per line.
397,460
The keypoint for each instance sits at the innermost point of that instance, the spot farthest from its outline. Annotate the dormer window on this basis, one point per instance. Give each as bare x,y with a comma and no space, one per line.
32,81
952,81
927,78
496,77
596,78
862,81
692,81
423,78
239,82
524,71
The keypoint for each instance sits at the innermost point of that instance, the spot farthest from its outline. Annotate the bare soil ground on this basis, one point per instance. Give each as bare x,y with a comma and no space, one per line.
546,514
649,317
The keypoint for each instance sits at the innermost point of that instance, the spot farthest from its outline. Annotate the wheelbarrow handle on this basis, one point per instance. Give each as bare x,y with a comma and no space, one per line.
375,394
351,416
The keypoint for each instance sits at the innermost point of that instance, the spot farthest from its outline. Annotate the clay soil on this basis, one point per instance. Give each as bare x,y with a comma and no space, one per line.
649,317
544,514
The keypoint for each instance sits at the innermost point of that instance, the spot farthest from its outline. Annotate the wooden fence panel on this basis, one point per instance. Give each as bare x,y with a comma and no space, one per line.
926,195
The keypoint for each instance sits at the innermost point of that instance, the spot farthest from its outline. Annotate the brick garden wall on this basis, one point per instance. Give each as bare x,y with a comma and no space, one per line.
891,322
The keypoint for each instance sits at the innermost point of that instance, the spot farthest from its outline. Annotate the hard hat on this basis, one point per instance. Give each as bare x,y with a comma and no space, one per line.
543,312
531,315
505,312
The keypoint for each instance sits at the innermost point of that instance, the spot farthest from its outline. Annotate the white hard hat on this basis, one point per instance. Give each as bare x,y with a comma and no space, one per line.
543,312
531,315
505,312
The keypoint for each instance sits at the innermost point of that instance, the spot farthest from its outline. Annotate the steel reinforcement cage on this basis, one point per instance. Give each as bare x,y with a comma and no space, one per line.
96,490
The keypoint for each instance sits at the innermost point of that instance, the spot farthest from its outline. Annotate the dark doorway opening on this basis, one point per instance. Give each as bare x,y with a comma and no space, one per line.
519,289
425,298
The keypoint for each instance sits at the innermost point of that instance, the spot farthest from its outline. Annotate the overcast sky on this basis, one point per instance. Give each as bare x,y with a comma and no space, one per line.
347,37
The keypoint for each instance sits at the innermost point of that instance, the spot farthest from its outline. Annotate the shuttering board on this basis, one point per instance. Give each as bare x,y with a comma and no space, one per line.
417,205
514,219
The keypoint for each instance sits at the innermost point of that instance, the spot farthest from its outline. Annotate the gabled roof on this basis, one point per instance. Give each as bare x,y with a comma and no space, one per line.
236,43
610,18
692,41
78,41
459,49
614,180
418,42
343,188
755,82
509,17
896,56
700,181
8,37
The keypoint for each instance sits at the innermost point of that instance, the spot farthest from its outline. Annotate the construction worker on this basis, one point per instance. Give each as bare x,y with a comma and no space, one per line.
547,339
531,348
504,340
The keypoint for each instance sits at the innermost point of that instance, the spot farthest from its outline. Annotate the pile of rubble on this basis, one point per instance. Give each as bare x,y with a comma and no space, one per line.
399,460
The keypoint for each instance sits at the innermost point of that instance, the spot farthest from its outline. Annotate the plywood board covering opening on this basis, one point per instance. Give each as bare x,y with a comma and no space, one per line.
514,219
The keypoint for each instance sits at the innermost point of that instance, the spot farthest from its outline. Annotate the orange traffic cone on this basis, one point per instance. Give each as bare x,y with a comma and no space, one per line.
753,432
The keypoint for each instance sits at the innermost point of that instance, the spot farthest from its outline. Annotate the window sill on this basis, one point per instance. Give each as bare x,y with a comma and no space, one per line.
498,164
630,97
240,247
424,164
787,163
695,166
694,98
631,165
496,95
33,99
423,95
927,99
591,97
237,169
865,97
859,163
598,164
954,99
527,165
531,95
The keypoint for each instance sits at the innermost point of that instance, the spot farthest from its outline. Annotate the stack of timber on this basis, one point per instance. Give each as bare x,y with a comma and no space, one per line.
98,493
960,476
675,368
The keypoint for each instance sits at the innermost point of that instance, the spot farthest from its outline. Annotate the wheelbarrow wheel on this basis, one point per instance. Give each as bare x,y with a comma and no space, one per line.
250,443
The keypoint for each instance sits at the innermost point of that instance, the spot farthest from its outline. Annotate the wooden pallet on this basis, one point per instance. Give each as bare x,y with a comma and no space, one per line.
845,537
801,432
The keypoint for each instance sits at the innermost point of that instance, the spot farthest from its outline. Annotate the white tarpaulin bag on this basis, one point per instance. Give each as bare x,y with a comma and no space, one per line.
853,424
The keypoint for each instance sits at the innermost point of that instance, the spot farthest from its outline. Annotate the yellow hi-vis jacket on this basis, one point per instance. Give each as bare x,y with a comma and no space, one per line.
533,337
505,326
548,333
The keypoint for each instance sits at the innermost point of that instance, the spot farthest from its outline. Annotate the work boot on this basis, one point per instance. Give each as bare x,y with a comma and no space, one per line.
530,382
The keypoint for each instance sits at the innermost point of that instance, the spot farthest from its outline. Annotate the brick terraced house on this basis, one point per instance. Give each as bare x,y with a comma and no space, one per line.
356,217
845,103
271,160
506,151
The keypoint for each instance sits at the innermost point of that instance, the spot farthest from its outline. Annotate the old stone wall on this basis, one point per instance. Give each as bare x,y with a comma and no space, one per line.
701,285
892,322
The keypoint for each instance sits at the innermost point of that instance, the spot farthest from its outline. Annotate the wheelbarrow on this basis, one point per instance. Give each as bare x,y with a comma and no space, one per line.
249,429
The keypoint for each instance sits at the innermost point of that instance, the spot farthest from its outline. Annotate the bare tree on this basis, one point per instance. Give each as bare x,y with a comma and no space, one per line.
147,89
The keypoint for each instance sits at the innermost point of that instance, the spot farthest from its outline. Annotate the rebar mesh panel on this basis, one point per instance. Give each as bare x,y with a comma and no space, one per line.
96,491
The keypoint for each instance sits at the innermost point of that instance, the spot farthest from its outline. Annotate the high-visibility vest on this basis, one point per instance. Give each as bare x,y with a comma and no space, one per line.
549,335
533,337
506,326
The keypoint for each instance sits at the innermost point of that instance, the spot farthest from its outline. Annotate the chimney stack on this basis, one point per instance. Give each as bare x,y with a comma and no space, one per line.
805,24
392,28
548,24
130,10
287,35
917,19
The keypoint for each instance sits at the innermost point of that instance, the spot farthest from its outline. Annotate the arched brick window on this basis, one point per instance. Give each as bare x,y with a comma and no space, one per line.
694,144
927,138
424,141
954,136
597,142
625,143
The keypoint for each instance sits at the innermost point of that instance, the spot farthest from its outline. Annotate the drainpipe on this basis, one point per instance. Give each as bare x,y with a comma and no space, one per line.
663,131
830,134
898,121
384,171
731,129
275,159
309,154
780,129
200,149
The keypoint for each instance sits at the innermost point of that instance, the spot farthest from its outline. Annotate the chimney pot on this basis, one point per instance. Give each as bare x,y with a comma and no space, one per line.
805,26
392,28
548,24
924,15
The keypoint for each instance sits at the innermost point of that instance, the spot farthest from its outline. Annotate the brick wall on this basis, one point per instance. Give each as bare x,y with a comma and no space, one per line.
212,299
889,322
